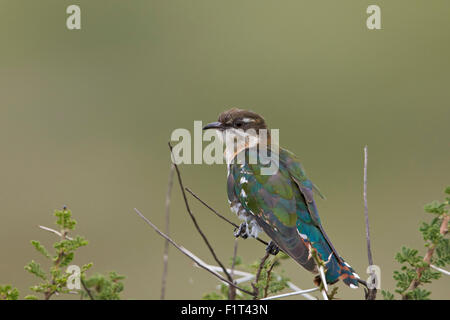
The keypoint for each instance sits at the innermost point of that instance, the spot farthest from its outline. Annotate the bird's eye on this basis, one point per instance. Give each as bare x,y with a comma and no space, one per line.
238,124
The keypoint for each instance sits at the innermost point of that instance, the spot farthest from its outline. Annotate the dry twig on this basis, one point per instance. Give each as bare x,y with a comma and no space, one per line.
167,230
258,274
188,254
221,216
232,290
205,239
371,293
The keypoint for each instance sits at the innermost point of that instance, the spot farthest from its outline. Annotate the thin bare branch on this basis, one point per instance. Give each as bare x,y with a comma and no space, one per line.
269,275
86,289
232,290
324,280
296,289
55,232
186,253
198,262
167,230
233,263
371,293
211,209
258,274
236,272
205,239
440,270
246,276
219,215
366,208
302,292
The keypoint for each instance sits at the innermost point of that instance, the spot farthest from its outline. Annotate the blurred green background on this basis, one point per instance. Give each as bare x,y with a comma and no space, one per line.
85,117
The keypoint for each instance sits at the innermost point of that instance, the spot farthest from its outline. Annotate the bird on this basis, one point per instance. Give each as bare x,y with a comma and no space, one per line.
282,203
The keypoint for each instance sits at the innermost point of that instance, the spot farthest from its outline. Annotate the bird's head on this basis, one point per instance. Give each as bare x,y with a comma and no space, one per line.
240,129
238,122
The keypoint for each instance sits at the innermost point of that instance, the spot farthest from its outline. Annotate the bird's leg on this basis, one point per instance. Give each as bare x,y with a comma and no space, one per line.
272,248
241,231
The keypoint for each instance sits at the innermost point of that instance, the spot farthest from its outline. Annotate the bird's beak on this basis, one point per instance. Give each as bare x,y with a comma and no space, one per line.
213,125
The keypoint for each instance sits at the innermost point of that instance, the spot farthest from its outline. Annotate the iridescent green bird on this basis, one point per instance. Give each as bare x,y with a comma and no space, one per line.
280,203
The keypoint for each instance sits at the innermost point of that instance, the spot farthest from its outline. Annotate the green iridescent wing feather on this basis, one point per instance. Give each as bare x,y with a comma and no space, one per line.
283,205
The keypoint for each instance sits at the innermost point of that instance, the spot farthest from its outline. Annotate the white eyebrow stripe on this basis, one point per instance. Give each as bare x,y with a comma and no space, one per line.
247,120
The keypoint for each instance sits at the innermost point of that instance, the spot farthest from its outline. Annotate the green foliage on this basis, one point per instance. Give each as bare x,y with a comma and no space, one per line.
64,219
270,281
35,268
104,288
55,279
223,295
8,293
387,295
416,270
40,248
418,294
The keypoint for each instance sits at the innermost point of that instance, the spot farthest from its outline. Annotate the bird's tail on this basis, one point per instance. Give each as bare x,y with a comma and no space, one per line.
336,271
336,268
348,275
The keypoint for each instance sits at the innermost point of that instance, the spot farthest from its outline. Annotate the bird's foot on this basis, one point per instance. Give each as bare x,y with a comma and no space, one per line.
272,248
241,231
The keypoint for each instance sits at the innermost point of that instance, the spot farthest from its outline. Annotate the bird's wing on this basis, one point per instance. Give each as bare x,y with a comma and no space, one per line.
283,205
306,188
296,170
272,200
336,267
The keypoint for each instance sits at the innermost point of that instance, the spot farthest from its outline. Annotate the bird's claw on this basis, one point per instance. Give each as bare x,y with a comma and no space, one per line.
241,231
272,248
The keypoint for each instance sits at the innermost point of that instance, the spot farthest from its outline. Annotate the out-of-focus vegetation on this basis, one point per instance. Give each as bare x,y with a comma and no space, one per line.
416,270
55,280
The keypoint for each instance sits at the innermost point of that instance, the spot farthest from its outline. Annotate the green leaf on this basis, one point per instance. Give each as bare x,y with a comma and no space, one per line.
387,295
447,190
86,267
412,262
64,219
105,288
435,207
35,268
213,296
67,259
7,292
40,248
237,262
418,294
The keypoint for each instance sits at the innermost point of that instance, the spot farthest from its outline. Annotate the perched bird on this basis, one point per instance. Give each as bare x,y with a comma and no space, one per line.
281,204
